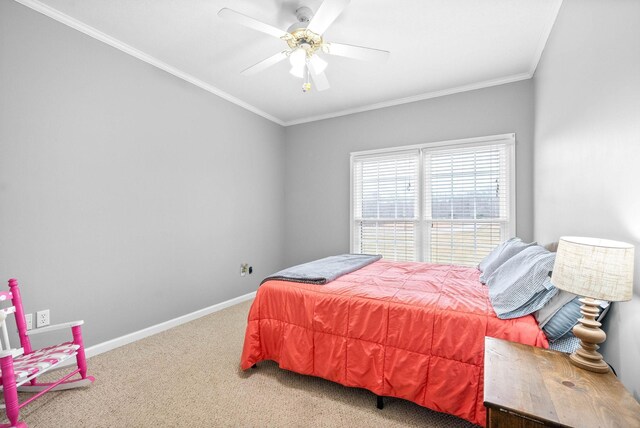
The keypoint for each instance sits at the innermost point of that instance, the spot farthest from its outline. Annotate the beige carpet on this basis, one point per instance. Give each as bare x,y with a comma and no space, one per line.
189,376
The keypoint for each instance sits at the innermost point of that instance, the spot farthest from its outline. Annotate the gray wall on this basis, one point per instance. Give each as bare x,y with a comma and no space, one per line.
587,146
317,158
127,196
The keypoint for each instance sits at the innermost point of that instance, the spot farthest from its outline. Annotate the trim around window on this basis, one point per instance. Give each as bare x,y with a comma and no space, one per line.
400,216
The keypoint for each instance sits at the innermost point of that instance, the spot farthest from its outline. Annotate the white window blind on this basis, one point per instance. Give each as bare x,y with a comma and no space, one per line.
446,203
466,203
385,205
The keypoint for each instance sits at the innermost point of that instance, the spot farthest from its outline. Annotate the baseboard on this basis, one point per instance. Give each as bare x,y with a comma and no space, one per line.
154,329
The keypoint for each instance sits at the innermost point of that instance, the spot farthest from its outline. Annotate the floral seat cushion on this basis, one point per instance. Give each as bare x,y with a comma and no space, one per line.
25,366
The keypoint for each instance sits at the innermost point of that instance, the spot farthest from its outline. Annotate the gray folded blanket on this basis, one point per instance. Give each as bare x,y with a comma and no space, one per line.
324,270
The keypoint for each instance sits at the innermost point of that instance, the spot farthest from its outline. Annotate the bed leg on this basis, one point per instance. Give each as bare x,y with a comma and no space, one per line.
380,403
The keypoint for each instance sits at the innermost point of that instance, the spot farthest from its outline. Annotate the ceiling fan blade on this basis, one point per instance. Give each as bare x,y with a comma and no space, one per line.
328,11
319,79
357,52
265,63
321,82
247,21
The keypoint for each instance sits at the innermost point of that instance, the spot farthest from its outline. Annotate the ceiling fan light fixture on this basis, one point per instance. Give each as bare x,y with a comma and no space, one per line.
304,39
297,71
298,58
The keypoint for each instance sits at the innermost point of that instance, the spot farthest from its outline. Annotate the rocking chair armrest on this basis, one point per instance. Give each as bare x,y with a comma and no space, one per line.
55,327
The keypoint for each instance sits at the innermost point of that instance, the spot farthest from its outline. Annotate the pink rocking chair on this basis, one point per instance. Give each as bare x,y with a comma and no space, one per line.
20,367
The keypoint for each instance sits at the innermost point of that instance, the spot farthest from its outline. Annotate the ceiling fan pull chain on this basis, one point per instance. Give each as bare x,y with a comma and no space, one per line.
306,86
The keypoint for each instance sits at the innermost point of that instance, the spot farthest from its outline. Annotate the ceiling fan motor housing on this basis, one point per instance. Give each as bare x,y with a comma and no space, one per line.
301,37
304,14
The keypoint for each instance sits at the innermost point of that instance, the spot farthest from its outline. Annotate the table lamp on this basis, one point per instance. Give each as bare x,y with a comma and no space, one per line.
595,269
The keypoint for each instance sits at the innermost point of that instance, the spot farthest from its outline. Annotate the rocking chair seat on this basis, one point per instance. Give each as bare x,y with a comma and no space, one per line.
19,365
25,366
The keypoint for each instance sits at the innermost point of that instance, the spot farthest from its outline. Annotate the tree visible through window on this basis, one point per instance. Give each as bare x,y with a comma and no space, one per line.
444,203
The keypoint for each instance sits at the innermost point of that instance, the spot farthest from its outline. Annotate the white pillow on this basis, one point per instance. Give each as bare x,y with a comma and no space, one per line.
499,255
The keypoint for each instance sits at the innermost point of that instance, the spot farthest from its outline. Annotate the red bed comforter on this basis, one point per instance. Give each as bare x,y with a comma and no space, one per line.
402,329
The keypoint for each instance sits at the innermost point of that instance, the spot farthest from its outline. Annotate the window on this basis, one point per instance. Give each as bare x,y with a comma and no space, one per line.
448,202
386,204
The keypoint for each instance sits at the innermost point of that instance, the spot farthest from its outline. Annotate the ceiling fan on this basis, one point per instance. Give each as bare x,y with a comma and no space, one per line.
305,41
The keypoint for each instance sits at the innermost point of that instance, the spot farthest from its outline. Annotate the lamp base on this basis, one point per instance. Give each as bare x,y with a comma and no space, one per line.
591,335
598,366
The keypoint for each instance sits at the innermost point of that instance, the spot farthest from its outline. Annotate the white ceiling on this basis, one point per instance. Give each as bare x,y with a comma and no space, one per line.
437,47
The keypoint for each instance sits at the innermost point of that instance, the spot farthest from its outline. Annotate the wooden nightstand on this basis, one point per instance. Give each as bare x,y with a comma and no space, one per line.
525,386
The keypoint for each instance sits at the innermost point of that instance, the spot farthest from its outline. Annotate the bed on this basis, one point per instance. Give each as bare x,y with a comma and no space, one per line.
399,329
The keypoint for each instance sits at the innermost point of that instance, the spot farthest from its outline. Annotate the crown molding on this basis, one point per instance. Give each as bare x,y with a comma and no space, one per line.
111,41
544,37
413,98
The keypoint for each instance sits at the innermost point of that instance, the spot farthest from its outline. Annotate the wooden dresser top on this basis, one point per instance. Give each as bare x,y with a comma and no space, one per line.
544,385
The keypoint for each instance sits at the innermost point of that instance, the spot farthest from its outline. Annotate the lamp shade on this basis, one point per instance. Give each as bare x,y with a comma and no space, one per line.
597,268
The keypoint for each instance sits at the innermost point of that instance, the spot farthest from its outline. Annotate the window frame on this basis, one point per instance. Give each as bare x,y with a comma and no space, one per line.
508,229
400,153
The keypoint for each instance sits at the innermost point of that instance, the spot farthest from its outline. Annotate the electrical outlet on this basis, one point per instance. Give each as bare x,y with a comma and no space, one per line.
29,319
244,268
42,318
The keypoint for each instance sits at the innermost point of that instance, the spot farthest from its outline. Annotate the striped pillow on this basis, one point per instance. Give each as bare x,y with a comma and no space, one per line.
499,255
522,285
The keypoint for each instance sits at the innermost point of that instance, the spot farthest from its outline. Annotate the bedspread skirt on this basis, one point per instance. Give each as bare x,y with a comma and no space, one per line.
409,330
